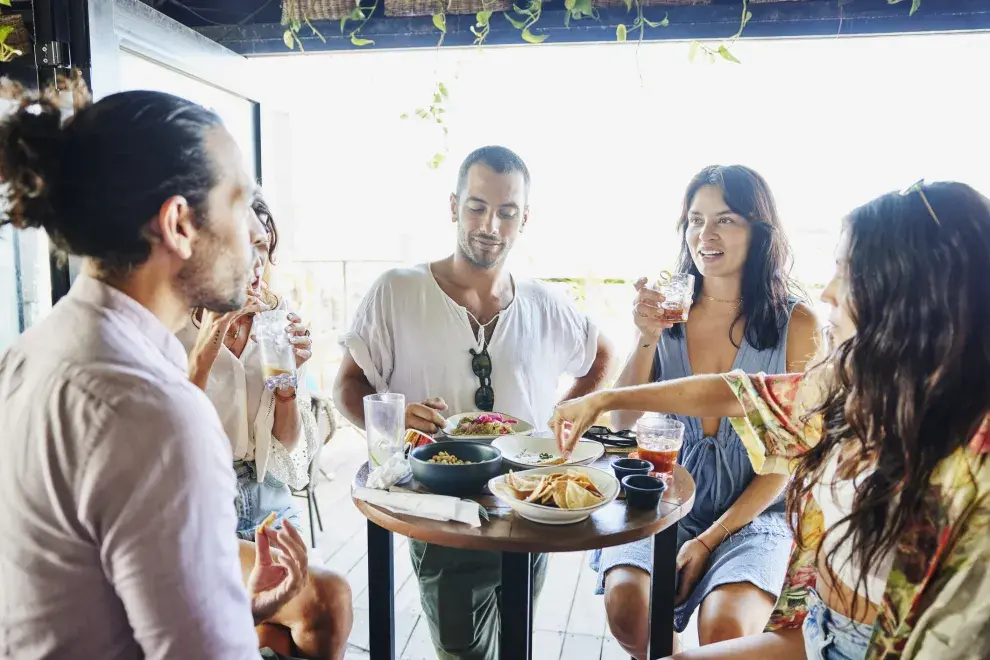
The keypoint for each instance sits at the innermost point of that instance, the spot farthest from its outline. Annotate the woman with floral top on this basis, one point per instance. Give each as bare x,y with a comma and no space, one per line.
887,440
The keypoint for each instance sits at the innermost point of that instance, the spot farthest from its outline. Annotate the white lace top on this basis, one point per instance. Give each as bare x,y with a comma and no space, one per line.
247,412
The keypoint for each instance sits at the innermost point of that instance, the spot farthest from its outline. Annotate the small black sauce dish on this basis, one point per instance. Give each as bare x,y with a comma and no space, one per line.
643,491
623,467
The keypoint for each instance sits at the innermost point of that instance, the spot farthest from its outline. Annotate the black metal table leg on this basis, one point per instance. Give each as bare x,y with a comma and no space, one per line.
517,607
381,591
663,593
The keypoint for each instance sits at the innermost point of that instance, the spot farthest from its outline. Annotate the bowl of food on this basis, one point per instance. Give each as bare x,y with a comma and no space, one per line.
556,495
526,452
484,426
456,467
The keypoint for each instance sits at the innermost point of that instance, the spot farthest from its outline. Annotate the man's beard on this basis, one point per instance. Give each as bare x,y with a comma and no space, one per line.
477,258
213,278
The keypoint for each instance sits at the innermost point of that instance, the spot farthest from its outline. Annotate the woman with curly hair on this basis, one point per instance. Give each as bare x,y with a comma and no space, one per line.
886,441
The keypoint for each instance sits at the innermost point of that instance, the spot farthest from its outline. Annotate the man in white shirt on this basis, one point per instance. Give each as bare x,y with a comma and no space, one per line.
119,526
459,335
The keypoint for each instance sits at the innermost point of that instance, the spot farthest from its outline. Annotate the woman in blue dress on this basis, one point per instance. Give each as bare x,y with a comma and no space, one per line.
734,545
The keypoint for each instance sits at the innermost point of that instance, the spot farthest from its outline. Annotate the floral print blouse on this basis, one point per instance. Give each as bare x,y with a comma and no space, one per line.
937,600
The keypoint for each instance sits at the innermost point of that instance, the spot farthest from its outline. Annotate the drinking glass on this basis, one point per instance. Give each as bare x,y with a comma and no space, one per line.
384,425
659,440
679,293
278,360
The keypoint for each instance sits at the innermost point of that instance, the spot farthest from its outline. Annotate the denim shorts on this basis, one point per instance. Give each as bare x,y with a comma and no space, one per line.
256,500
829,635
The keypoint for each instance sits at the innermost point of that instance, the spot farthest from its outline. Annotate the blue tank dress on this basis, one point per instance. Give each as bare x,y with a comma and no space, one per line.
758,553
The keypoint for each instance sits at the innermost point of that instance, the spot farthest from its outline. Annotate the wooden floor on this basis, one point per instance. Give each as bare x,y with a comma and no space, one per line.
570,619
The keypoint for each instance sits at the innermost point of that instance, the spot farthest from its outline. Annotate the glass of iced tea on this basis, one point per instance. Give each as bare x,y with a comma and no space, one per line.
659,440
679,293
278,360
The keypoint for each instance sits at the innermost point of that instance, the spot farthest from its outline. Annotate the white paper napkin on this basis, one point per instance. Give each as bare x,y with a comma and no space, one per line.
393,471
422,505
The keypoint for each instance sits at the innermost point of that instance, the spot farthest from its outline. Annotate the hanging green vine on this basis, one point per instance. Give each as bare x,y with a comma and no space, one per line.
641,22
435,113
529,16
7,52
723,49
482,24
360,15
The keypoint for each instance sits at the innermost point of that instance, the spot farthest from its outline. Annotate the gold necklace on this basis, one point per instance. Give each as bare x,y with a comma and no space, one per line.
735,302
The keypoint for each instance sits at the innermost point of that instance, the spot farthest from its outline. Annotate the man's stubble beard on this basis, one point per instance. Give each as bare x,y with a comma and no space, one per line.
207,280
464,247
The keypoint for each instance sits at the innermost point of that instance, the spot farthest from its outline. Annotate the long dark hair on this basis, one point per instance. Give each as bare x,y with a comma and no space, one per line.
767,286
95,181
913,384
260,208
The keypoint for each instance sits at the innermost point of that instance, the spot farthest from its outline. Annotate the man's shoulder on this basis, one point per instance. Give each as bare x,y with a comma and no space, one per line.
542,295
403,278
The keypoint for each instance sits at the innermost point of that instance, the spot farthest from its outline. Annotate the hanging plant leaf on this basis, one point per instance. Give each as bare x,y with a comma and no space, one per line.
658,24
440,22
915,6
533,38
727,55
357,41
483,17
519,25
442,89
289,40
620,32
629,4
693,52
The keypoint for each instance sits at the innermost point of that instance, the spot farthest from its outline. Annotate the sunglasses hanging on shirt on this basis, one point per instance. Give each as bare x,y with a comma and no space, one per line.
481,365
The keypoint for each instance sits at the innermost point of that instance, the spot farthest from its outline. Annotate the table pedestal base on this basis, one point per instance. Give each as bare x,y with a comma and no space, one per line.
517,609
381,594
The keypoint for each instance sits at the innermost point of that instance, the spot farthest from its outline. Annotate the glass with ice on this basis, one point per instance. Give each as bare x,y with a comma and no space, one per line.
384,425
278,360
679,293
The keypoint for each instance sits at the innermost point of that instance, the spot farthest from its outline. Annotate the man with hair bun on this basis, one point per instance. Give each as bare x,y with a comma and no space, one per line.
119,533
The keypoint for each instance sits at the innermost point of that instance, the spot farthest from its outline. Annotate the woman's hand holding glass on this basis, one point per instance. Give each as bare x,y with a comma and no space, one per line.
299,337
647,313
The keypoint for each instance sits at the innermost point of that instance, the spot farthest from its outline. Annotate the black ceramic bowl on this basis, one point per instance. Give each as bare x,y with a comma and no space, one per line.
459,480
643,491
623,467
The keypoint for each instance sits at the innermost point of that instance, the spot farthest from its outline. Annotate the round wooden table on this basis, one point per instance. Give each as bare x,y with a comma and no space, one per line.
517,539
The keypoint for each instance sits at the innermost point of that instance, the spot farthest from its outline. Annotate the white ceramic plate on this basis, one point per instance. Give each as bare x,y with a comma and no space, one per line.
519,427
549,515
523,451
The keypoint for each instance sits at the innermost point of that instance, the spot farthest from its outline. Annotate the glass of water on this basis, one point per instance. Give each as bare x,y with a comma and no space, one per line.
384,425
278,360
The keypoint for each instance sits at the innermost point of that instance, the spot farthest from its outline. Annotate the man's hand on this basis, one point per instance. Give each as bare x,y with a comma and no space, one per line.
275,580
425,416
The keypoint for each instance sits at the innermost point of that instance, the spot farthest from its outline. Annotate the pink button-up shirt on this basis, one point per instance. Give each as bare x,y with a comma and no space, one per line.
116,494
